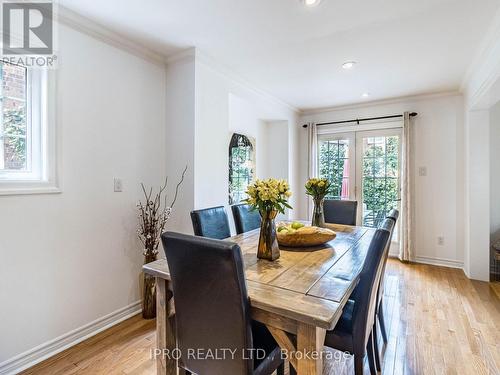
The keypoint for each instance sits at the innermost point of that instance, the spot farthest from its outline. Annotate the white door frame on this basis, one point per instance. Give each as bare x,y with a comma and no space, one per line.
355,137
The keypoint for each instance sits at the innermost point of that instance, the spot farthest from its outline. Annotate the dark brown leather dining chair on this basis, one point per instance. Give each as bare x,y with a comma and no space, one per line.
340,211
393,215
353,332
245,219
213,310
388,224
211,222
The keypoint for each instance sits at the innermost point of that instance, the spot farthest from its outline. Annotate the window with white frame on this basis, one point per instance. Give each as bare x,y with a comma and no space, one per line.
24,137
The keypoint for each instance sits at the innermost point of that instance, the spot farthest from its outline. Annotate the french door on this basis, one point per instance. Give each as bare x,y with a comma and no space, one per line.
364,166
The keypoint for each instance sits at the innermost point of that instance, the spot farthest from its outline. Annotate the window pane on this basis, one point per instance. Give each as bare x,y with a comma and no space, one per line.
13,81
368,149
392,146
333,164
13,127
14,118
378,167
14,153
380,178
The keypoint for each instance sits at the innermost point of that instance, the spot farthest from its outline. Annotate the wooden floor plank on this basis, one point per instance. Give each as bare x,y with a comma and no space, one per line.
438,322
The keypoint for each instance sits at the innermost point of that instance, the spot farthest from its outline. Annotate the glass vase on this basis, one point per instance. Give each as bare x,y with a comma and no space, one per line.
318,216
268,242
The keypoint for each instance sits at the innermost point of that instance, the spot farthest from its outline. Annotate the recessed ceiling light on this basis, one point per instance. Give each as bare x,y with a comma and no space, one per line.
349,64
311,3
365,95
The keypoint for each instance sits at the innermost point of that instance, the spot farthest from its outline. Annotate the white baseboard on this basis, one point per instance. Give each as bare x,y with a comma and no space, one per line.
435,261
33,356
439,262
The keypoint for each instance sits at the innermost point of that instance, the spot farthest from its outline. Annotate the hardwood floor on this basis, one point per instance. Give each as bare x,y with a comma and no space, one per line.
439,322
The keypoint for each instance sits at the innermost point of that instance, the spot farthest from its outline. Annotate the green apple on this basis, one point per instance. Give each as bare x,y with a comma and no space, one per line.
297,225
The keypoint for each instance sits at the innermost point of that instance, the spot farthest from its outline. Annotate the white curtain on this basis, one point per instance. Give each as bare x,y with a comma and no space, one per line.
406,245
312,141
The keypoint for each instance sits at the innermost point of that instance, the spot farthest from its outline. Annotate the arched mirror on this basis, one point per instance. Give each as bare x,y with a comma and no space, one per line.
241,167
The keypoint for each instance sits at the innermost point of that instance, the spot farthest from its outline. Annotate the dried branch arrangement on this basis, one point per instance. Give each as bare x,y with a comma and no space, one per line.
153,215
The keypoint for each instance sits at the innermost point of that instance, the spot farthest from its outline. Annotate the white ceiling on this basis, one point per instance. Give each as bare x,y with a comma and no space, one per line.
404,47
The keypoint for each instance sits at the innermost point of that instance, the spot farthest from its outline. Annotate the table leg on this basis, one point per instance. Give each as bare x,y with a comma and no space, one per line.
310,343
165,332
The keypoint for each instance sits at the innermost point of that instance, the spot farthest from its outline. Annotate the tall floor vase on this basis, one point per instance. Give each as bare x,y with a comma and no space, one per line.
149,291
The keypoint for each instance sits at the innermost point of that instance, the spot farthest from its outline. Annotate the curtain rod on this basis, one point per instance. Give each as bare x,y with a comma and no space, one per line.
358,120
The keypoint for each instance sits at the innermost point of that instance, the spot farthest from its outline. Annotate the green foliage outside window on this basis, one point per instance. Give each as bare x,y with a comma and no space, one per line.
332,155
14,138
13,117
380,178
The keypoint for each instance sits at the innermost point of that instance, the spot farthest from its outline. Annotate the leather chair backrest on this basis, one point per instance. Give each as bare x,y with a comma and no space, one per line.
245,219
388,224
340,211
393,214
211,223
211,302
366,290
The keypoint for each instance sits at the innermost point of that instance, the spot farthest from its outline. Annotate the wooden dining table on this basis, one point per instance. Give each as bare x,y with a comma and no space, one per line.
298,296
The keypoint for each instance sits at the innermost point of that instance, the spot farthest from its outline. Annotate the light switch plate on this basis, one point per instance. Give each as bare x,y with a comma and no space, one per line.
422,171
118,185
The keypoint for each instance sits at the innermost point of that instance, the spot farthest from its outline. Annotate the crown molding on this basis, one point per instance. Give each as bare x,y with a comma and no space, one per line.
186,54
485,47
226,72
401,99
83,24
484,70
194,54
87,26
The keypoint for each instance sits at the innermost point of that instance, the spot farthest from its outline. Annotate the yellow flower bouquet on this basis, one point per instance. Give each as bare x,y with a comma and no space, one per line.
269,197
318,188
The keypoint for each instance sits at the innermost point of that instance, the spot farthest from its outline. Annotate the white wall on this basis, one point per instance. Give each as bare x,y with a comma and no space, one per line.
477,194
438,145
71,258
495,172
179,138
276,143
481,88
224,105
243,119
204,106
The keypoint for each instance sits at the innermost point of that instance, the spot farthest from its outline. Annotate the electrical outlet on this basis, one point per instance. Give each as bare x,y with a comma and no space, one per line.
118,185
440,240
422,171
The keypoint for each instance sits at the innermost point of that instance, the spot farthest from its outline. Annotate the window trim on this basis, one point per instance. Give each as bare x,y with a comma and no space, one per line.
47,179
